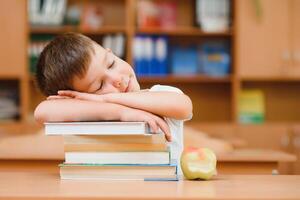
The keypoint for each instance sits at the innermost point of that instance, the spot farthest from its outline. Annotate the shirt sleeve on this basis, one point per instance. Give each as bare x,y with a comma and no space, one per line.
167,88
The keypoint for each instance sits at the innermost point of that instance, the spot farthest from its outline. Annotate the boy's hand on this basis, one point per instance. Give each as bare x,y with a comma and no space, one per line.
52,97
77,95
155,122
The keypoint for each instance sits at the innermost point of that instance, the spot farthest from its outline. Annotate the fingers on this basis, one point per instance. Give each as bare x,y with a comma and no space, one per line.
152,124
69,93
164,127
52,97
156,122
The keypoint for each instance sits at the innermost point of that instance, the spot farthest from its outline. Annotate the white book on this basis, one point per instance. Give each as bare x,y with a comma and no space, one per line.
118,172
162,157
97,128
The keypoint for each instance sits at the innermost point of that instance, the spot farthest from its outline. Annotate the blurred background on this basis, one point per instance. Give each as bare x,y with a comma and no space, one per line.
238,60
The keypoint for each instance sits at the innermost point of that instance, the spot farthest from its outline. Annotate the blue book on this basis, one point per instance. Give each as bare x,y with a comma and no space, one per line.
148,58
215,58
161,56
138,54
184,60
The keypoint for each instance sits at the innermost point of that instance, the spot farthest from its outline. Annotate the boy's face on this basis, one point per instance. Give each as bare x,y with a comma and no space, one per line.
106,74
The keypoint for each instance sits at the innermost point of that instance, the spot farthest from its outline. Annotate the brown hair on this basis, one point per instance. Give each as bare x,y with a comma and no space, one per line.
66,56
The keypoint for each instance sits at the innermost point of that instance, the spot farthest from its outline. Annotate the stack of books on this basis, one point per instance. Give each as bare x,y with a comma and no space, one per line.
113,151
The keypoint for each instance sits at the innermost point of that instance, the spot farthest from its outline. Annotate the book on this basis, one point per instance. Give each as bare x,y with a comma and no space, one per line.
251,106
162,157
97,128
184,59
215,59
118,172
46,12
92,16
86,143
150,55
213,15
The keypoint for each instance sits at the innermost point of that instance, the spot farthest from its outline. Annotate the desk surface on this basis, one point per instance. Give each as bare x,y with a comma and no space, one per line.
47,185
257,155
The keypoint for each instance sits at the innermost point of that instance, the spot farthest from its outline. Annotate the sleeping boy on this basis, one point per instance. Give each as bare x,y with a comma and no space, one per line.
85,82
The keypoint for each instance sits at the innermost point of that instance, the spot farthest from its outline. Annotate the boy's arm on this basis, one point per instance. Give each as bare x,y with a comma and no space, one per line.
163,103
76,110
60,110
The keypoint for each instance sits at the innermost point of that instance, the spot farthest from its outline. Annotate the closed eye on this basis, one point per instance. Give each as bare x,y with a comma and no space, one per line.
112,64
100,87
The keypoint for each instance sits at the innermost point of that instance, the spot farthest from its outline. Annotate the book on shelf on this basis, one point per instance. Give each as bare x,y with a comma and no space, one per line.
116,43
251,106
46,12
97,128
155,157
215,59
213,15
118,172
9,108
150,55
92,16
156,14
85,143
184,59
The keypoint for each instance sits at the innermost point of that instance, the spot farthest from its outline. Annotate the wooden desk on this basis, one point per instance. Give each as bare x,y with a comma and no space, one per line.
254,161
47,185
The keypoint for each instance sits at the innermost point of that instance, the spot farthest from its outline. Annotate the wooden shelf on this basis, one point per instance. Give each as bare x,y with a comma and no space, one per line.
31,77
52,30
4,76
271,79
10,123
184,79
105,30
66,28
179,79
182,31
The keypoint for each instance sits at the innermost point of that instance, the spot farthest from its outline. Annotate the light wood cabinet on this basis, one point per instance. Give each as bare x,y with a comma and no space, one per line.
13,52
263,40
13,39
295,42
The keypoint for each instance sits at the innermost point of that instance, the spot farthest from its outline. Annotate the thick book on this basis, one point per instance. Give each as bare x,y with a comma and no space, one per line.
97,128
119,172
86,143
118,157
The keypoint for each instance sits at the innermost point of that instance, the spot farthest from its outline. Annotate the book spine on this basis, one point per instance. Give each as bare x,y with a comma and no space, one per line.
118,157
85,147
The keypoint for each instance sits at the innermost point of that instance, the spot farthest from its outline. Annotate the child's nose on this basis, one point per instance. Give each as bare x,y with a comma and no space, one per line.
117,81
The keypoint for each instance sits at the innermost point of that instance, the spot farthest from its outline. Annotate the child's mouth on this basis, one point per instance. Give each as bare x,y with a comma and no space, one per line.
128,86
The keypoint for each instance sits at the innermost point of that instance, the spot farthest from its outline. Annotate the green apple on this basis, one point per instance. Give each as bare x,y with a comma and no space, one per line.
198,163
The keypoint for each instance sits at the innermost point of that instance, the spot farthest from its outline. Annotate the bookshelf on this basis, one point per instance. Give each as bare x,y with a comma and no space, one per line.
215,99
183,31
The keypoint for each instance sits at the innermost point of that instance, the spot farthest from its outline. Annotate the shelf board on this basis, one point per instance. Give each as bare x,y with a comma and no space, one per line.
181,31
179,79
68,28
184,79
104,30
52,29
8,76
10,123
270,79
